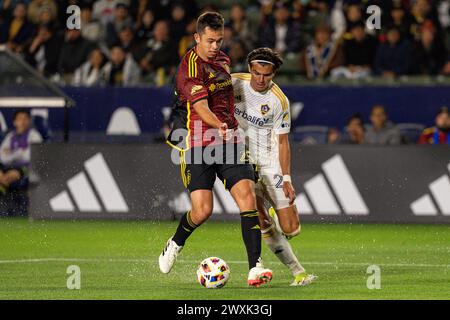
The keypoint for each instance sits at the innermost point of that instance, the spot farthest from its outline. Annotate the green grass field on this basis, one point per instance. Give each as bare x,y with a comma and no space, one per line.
118,260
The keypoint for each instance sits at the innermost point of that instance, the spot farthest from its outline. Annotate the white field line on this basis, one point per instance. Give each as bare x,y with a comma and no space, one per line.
106,260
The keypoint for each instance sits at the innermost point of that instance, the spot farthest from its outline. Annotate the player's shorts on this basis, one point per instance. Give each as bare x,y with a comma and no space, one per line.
270,186
201,175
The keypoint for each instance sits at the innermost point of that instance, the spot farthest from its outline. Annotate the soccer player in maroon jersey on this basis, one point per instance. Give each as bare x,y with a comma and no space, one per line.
210,146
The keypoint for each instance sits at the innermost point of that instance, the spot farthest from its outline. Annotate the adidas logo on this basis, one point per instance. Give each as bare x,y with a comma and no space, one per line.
346,194
81,190
440,193
211,75
318,194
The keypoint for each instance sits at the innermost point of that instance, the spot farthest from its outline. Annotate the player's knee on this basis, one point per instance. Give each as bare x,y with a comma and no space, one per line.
248,198
201,213
292,230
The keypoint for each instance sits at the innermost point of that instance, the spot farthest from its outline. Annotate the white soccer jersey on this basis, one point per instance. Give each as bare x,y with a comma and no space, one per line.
261,117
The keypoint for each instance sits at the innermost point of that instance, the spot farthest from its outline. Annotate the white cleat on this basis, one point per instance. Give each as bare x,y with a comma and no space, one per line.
169,255
259,275
303,279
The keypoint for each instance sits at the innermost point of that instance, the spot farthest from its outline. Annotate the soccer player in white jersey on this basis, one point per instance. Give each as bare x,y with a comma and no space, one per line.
262,111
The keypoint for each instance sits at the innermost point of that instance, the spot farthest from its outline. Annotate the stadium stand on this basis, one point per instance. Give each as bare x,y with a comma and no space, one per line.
410,132
36,32
310,135
30,30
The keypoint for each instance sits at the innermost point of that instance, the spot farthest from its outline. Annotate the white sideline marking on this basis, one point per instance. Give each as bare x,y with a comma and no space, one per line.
37,260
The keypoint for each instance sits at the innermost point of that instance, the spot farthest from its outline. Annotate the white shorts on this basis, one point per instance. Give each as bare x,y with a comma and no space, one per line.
270,187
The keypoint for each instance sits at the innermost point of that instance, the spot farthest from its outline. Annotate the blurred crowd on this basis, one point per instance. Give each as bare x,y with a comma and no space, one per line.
132,42
382,131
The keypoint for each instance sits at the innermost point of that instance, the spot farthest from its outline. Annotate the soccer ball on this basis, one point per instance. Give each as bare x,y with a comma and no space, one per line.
213,273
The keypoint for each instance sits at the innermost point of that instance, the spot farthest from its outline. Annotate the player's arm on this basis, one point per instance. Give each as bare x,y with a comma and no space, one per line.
282,125
202,109
193,88
285,164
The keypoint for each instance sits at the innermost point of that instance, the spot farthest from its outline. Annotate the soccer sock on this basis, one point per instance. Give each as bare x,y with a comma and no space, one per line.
280,246
184,230
251,234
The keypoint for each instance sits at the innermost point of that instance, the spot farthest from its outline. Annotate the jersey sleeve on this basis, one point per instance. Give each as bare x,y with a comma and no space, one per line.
282,119
190,84
224,59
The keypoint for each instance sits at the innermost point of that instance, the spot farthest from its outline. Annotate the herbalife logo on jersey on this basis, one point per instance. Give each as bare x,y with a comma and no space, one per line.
252,119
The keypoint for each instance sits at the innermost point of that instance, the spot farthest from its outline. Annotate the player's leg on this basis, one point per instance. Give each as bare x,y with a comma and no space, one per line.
243,194
202,205
239,178
199,180
289,221
276,241
272,233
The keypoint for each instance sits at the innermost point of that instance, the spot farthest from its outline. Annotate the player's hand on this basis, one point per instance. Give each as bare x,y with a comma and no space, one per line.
223,129
289,192
224,132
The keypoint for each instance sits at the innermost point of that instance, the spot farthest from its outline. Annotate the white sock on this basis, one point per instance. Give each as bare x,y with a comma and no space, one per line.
280,246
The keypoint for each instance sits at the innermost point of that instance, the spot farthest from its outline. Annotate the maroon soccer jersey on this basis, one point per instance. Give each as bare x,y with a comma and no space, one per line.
198,79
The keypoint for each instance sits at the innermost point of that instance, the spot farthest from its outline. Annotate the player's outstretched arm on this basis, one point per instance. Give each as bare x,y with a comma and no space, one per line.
285,163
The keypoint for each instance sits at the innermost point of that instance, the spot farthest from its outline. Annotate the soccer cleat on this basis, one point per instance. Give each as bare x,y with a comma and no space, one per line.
259,275
303,279
169,255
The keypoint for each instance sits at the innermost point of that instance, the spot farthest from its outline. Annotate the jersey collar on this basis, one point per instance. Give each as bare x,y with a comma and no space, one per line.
261,94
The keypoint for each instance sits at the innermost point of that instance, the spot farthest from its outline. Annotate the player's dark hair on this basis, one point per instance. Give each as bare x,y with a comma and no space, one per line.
24,111
213,20
265,54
